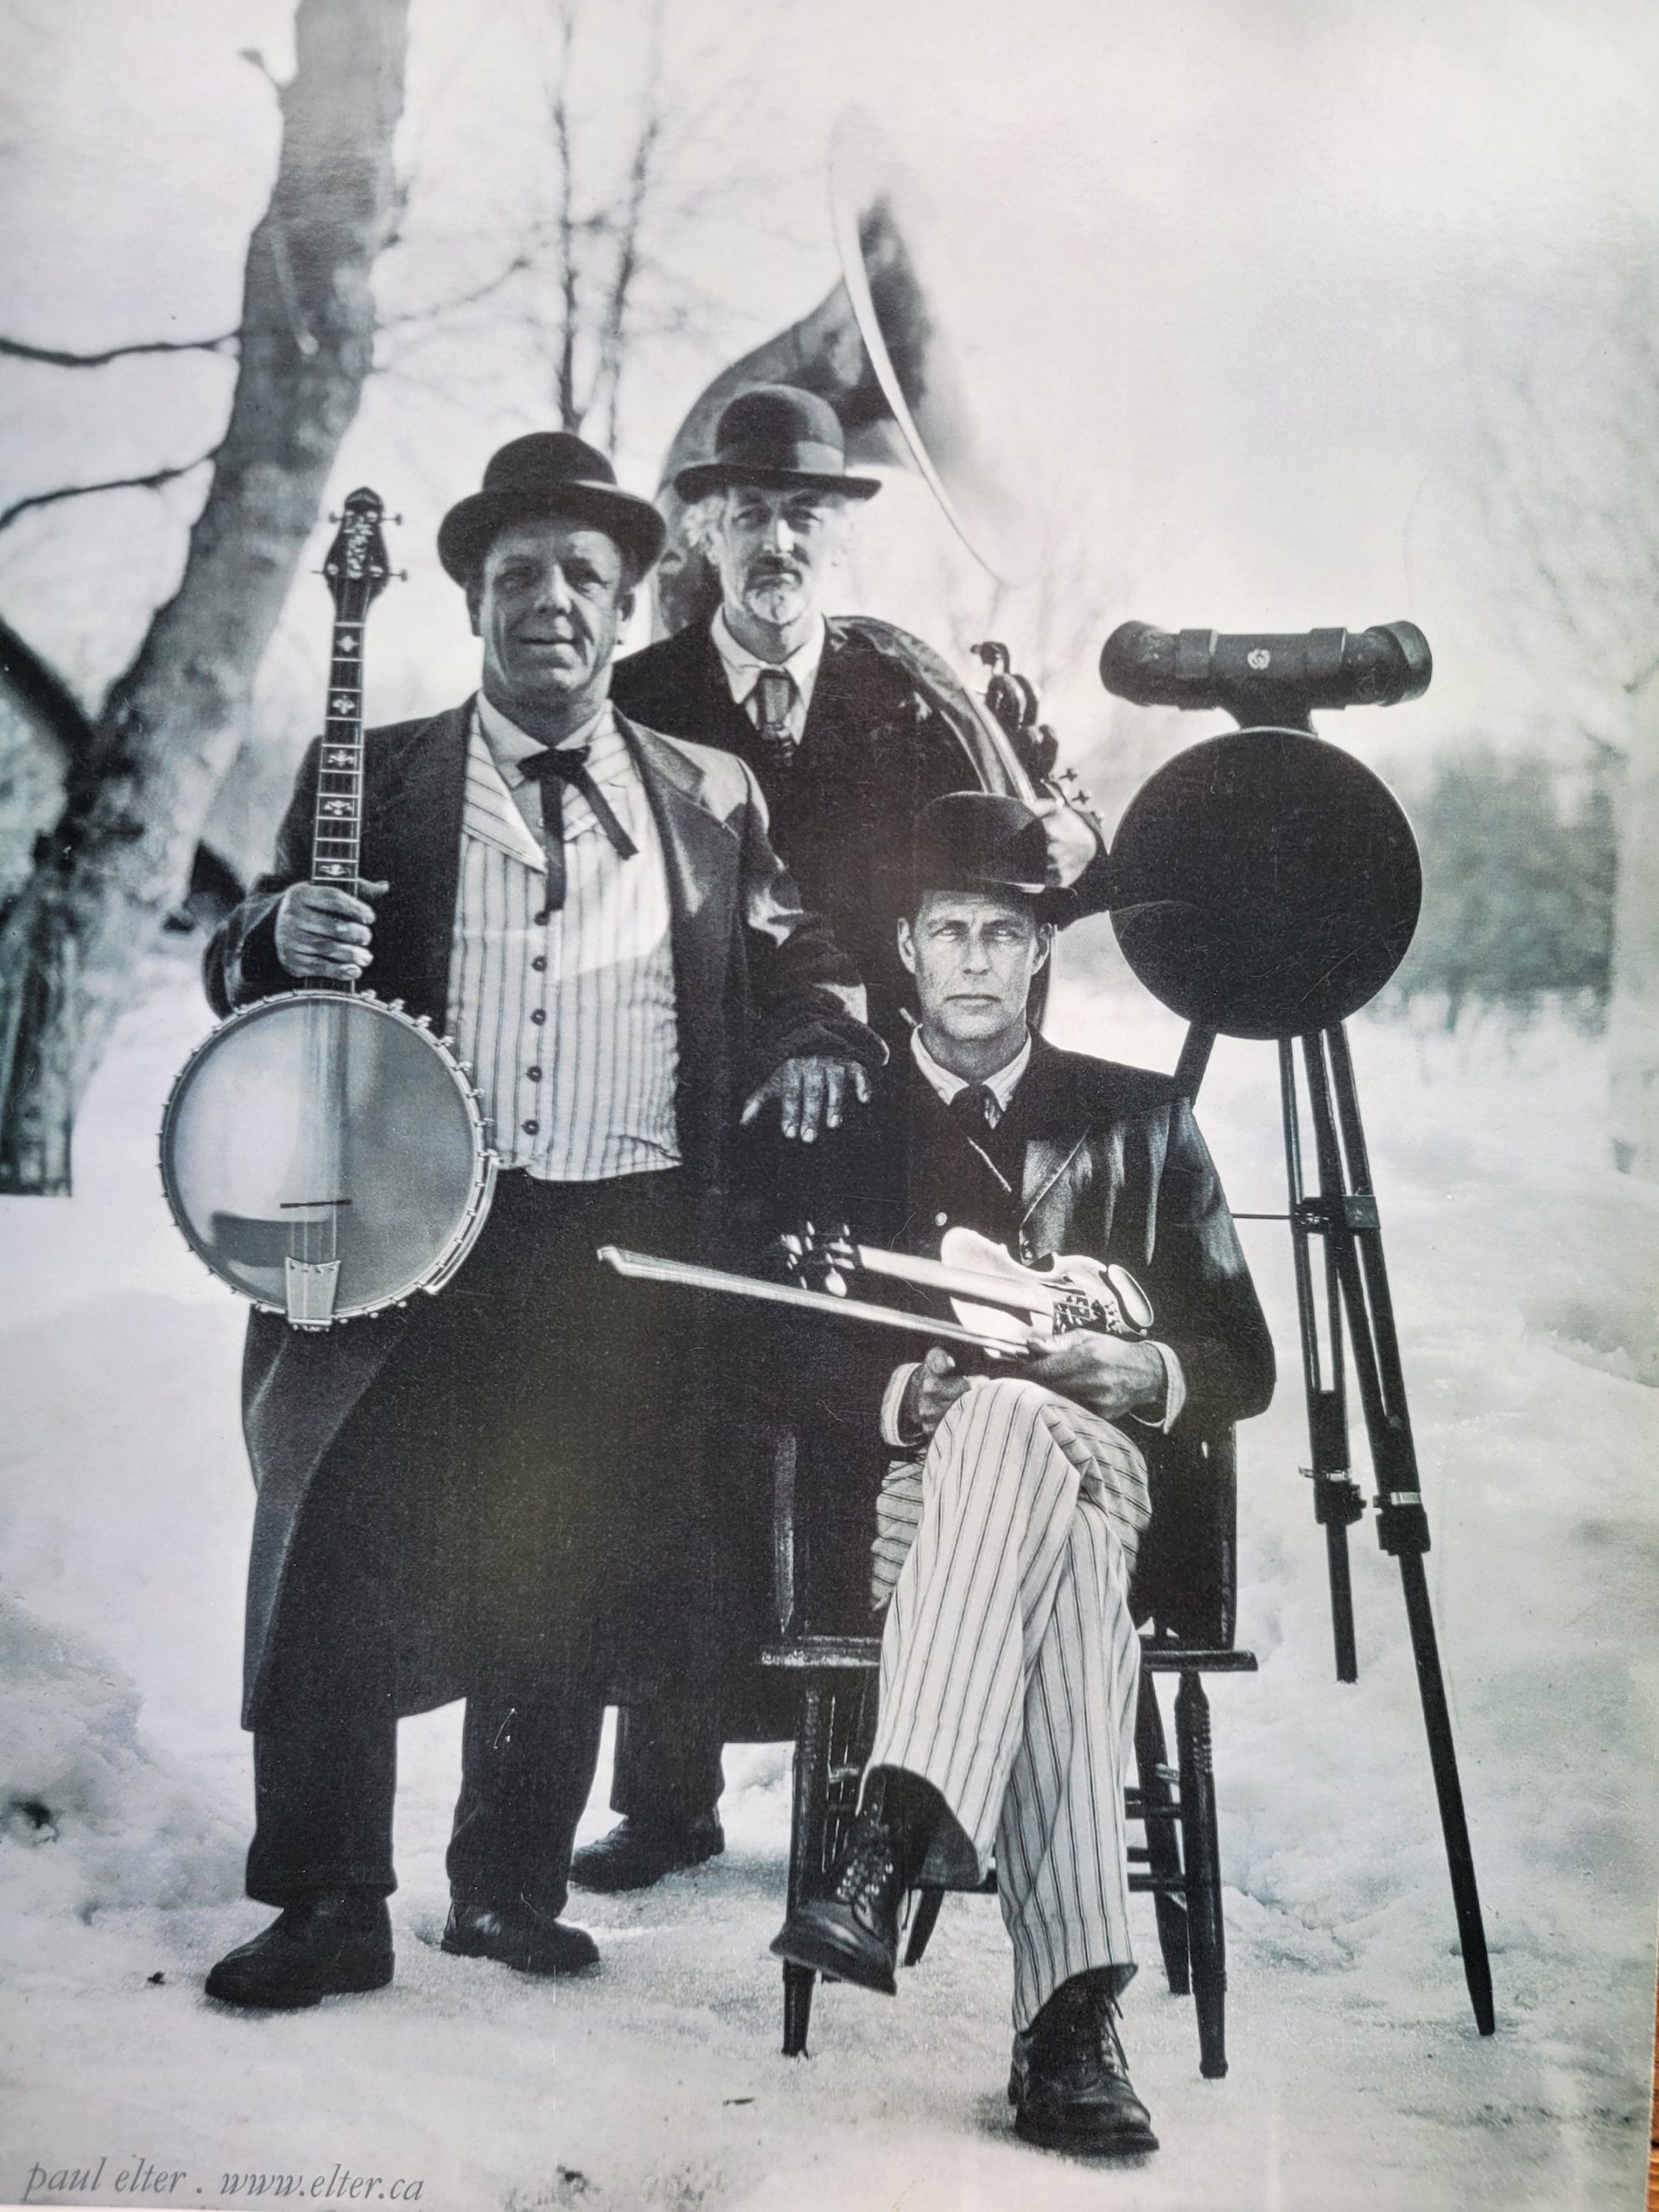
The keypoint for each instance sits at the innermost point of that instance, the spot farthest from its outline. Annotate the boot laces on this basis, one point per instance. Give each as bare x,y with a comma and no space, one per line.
869,1867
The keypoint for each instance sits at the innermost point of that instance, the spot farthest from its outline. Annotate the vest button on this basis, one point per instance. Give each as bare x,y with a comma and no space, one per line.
532,1129
532,1075
540,920
538,1016
539,963
940,1220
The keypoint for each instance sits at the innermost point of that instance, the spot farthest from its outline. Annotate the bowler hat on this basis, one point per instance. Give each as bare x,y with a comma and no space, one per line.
980,841
547,472
781,439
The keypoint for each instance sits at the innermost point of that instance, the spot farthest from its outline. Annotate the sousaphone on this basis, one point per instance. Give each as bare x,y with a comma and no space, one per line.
879,348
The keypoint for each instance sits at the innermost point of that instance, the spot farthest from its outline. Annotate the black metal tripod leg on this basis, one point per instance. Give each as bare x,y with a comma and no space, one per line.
1459,1858
1336,1497
1205,1933
1401,1522
1163,1843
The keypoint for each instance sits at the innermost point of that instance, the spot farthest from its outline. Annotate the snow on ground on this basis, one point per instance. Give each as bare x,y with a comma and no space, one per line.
1524,1272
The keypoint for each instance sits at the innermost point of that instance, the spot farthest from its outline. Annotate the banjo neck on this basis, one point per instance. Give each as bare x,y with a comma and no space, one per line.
356,569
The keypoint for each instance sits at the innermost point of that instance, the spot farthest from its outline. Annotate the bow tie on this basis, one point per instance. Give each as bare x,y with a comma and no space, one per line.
553,769
565,764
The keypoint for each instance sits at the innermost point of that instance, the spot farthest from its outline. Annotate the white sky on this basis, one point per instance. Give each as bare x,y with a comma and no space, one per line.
1241,265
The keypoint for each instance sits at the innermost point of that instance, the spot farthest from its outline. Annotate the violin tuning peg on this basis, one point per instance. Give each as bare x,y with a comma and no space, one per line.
402,575
397,1005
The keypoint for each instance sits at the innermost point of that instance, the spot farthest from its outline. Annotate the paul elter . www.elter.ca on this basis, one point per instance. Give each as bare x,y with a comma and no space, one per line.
148,2178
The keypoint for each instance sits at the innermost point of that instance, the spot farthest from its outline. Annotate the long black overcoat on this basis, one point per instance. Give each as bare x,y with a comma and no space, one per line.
757,979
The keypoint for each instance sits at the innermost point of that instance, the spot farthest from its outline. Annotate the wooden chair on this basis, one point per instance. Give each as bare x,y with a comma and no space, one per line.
1184,1590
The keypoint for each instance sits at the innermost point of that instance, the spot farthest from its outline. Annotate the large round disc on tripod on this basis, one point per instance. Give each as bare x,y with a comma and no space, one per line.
1264,883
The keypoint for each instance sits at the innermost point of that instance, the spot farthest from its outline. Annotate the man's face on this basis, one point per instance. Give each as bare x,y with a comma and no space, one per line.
773,550
974,956
548,604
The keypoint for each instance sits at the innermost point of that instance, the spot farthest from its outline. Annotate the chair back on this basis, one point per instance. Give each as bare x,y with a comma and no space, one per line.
1186,1577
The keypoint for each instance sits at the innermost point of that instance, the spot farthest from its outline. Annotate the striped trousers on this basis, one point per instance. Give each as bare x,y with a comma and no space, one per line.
1010,1662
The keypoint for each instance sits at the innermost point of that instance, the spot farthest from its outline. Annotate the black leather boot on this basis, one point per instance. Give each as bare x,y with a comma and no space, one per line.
636,1853
853,1933
1069,2086
326,1943
520,1938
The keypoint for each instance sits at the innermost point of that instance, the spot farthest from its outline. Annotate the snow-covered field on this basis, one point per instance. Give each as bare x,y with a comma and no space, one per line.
1524,1277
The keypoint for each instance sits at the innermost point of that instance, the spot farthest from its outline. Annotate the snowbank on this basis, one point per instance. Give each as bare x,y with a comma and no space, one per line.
1522,1270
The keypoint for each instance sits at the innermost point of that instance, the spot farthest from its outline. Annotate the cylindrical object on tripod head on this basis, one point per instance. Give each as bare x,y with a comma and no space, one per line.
1262,676
1264,883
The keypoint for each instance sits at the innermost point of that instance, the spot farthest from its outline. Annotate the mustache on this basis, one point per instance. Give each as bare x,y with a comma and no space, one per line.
771,568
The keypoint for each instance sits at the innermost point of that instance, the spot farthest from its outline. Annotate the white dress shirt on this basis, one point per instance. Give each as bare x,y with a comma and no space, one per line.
1002,1085
568,1017
744,671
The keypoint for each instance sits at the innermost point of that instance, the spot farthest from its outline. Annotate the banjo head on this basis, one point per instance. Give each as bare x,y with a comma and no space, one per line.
320,1126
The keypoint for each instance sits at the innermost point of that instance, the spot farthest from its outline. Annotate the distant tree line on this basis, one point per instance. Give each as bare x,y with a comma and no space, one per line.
1519,864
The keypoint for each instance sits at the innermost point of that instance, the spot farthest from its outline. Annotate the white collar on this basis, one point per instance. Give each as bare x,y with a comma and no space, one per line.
744,669
509,745
1001,1085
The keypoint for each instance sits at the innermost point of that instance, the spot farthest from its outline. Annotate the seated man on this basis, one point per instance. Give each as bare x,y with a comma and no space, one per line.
1007,1531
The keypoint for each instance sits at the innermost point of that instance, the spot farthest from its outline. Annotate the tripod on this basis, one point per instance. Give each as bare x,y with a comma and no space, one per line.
1340,1214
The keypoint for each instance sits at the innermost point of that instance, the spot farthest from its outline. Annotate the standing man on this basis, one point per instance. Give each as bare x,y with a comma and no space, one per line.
1007,1524
497,1492
850,726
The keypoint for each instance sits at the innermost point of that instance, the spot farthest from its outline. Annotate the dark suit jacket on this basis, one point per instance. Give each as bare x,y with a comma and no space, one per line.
757,979
889,727
1095,1158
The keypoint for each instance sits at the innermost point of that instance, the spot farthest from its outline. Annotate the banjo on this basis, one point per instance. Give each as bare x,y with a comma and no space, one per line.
322,1151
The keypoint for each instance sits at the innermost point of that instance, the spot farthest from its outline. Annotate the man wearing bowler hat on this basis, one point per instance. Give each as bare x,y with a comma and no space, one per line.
851,726
1000,1515
497,1493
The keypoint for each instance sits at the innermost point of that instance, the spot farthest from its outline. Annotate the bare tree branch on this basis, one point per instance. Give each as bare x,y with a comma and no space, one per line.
40,694
641,177
152,482
570,278
517,266
55,358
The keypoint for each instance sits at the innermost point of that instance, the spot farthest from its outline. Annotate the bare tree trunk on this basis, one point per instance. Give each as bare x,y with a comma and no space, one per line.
1633,1012
107,875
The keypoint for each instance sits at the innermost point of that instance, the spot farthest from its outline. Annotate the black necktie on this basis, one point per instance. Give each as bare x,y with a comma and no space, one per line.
774,694
973,1106
553,770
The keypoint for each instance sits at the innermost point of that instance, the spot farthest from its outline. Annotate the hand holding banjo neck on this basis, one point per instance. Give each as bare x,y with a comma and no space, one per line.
358,572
